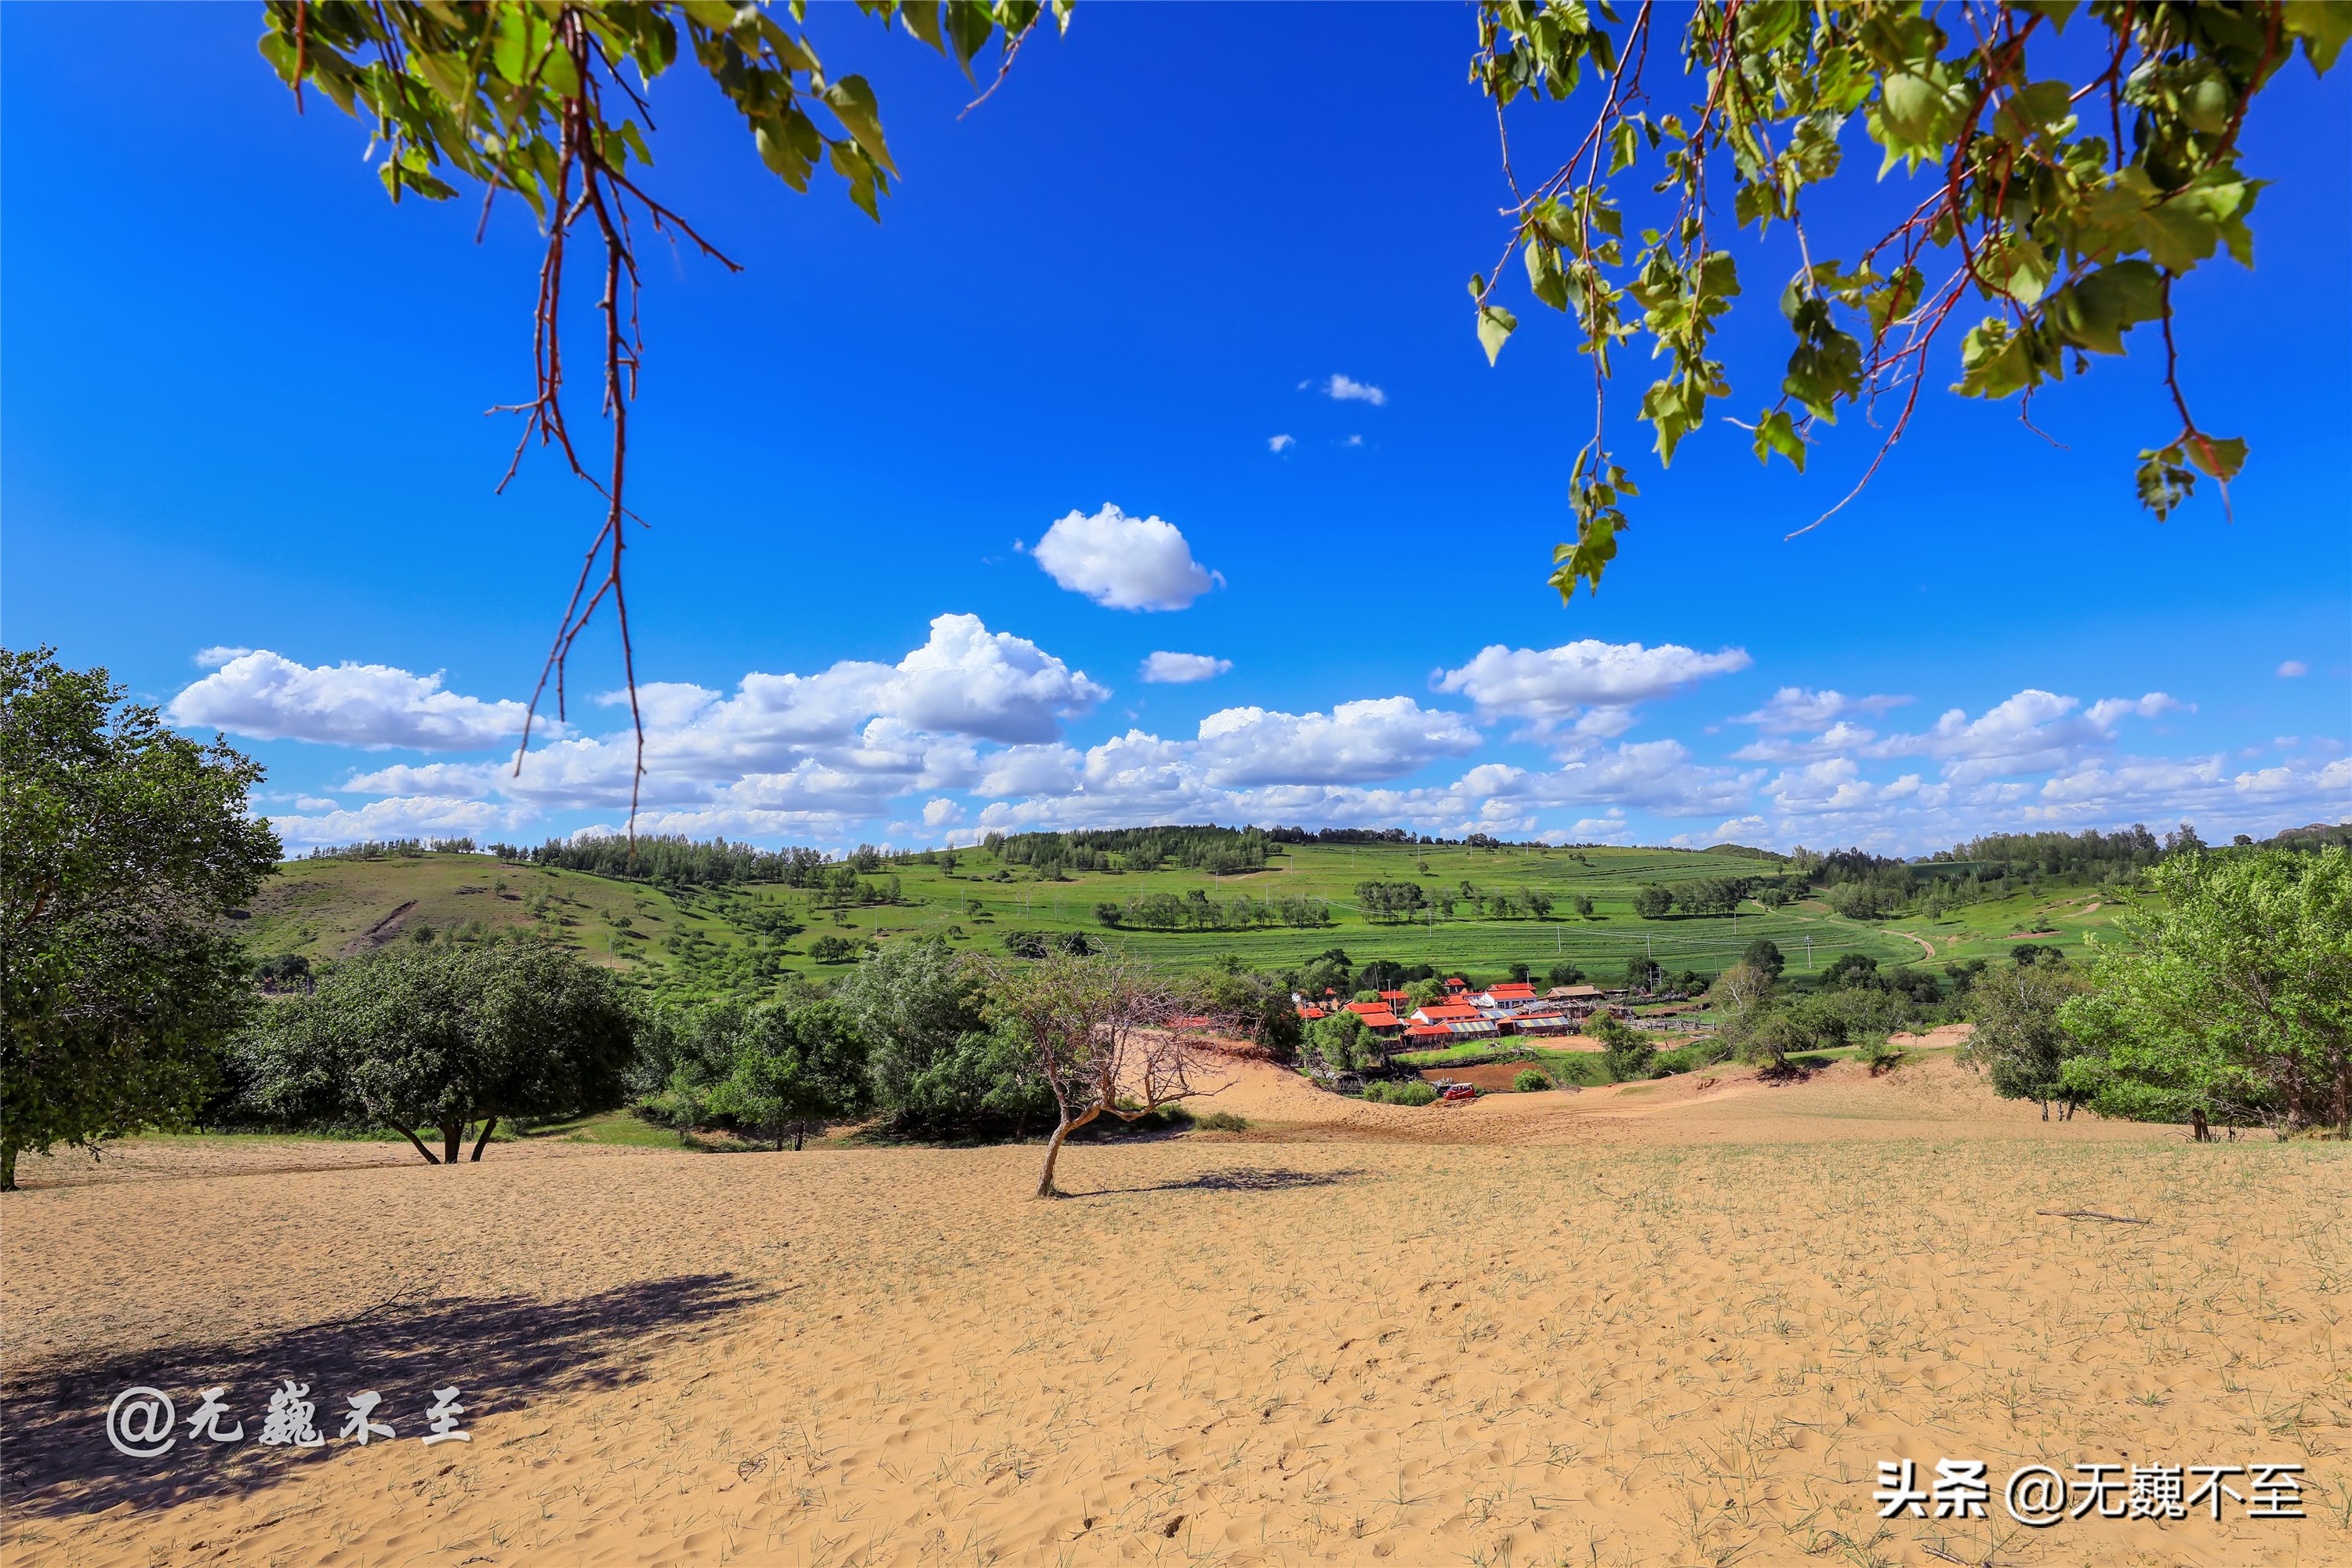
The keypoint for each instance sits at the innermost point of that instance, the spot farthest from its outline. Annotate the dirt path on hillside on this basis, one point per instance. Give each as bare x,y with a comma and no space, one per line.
1925,1096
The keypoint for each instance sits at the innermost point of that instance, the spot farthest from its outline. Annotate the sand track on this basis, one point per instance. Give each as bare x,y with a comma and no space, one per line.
1678,1325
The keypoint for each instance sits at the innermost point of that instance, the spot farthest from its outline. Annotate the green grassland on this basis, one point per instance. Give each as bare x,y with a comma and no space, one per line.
704,940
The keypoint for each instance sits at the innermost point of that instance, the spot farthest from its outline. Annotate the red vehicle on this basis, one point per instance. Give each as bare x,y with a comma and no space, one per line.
1459,1091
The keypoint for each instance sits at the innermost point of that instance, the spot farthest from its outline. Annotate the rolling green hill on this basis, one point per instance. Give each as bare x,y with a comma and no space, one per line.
703,940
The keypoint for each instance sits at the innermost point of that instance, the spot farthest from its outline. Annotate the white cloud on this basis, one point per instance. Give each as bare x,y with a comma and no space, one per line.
1554,684
1123,562
1031,770
1382,738
967,680
1347,389
2293,667
376,706
1792,708
407,816
1280,442
1184,668
839,744
213,658
942,812
1838,740
2032,732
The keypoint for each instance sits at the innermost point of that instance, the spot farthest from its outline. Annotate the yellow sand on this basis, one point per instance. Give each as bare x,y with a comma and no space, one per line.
1669,1325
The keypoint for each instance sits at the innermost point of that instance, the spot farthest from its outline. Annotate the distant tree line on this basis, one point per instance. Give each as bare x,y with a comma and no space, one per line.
1196,910
395,849
1222,851
674,859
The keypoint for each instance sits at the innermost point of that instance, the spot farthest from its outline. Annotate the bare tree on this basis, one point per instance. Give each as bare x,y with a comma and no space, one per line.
1100,1034
1741,986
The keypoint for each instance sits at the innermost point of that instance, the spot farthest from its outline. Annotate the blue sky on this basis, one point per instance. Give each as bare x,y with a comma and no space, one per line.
244,464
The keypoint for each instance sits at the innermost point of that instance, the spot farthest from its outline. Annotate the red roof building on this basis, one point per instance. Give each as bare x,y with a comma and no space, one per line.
1445,1012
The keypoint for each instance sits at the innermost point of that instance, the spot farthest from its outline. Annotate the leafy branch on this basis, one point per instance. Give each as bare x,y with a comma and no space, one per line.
547,99
2071,238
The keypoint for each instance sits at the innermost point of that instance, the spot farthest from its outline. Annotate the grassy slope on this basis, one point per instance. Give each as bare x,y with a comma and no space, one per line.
321,907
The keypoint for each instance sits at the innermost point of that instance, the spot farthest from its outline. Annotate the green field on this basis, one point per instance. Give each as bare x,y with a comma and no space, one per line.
712,939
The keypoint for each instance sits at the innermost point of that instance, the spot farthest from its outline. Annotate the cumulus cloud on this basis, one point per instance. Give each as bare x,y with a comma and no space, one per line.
1124,562
968,680
1347,389
1792,708
271,698
1555,683
2031,732
1280,442
1382,738
942,812
407,816
1836,740
2292,668
1184,668
1031,770
835,746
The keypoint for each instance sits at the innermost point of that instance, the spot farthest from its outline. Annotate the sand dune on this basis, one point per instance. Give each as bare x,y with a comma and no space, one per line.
1680,1325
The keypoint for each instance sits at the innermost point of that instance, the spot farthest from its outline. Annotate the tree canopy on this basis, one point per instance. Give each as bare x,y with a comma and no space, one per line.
2073,184
123,848
2229,996
442,1037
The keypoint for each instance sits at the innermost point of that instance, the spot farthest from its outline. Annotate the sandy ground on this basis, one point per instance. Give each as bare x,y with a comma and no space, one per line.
1679,1323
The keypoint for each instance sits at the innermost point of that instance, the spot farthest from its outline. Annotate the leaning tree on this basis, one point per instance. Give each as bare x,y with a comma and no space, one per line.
1100,1032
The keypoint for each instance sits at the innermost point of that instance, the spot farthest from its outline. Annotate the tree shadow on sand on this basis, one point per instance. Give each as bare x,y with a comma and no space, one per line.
1274,1181
504,1352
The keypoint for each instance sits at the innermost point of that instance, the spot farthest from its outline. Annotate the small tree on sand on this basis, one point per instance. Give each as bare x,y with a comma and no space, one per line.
1098,1032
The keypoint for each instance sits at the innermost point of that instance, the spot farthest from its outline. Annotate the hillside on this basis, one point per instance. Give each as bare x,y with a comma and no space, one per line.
710,939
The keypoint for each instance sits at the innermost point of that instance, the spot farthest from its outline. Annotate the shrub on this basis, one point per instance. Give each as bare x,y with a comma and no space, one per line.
1222,1122
1530,1082
1628,1054
1412,1092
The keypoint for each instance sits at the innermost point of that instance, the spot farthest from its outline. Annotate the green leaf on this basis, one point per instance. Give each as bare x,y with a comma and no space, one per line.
2322,25
2032,110
922,19
2164,482
2221,457
1544,276
1775,432
1994,361
1914,107
2095,311
853,101
1623,146
1495,326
